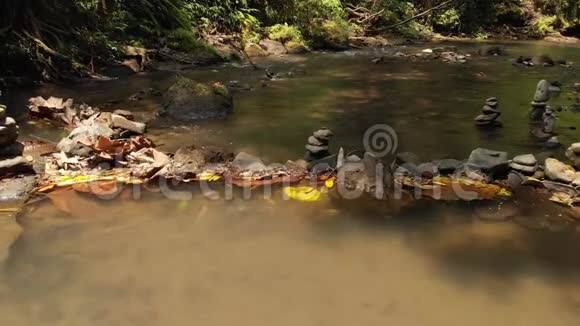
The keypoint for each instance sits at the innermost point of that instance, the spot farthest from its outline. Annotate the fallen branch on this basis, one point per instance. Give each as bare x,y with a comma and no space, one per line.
415,17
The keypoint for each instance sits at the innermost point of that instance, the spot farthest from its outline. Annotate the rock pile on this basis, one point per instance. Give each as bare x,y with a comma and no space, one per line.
540,102
317,147
11,160
490,114
526,164
573,153
542,117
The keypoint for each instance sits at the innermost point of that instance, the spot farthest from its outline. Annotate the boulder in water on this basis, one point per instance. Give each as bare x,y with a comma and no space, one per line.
254,50
489,161
273,47
188,101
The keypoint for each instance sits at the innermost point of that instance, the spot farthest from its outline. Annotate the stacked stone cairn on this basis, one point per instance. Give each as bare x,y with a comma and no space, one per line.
11,160
525,164
490,114
573,153
317,147
540,102
542,117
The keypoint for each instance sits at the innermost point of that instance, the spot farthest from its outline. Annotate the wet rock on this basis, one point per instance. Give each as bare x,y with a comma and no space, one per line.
549,119
526,164
428,170
542,91
537,111
516,179
10,231
558,171
316,142
538,133
14,149
489,161
553,142
527,160
317,147
76,142
523,168
124,113
16,189
539,175
573,154
323,165
189,101
15,165
493,51
247,162
324,134
296,48
490,114
121,122
272,47
448,166
2,112
254,50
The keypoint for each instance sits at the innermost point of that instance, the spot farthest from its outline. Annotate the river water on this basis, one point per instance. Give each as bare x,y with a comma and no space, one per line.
148,260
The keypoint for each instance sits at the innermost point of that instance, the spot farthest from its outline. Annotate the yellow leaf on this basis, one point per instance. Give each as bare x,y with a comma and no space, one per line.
306,194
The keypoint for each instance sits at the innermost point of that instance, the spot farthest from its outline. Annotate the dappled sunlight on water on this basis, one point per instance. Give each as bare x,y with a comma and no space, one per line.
154,261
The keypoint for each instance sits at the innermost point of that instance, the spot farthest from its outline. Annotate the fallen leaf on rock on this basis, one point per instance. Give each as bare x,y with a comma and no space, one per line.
562,198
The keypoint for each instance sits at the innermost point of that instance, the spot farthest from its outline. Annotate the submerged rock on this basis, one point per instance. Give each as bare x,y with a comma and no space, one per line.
10,231
17,188
188,101
497,212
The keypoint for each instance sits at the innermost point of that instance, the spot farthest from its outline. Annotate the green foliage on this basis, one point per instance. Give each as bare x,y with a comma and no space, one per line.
544,25
285,33
447,21
333,34
187,41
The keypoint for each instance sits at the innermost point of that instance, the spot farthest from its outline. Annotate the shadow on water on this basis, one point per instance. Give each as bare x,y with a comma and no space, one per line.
156,261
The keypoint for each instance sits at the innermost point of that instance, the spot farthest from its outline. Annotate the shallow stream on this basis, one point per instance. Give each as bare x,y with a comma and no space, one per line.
267,261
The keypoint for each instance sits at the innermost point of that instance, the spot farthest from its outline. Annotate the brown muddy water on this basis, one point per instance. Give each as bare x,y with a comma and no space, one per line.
149,260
